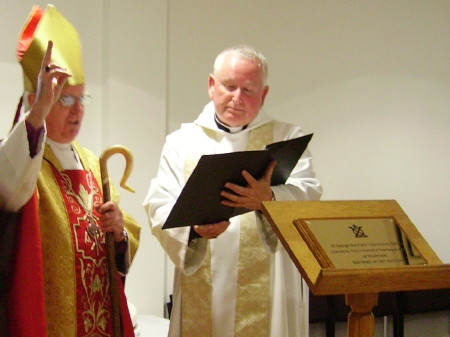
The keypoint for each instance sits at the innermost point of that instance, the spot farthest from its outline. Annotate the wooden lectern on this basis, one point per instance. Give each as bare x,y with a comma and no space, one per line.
356,248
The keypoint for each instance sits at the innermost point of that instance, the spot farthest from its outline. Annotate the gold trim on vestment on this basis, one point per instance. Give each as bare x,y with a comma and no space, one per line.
252,298
58,255
196,289
253,286
58,259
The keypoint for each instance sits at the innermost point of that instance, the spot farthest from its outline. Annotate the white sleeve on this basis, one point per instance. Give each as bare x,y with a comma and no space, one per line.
301,184
162,195
19,172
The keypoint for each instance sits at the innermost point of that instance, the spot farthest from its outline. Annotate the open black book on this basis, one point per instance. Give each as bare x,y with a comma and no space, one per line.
199,201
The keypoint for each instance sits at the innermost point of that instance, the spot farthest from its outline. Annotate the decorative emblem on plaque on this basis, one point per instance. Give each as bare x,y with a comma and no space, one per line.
358,231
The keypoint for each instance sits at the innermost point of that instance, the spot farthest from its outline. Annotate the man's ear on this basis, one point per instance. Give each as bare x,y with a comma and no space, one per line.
265,91
211,83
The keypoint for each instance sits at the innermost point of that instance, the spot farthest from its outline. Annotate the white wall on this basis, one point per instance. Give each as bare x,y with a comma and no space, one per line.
134,108
371,79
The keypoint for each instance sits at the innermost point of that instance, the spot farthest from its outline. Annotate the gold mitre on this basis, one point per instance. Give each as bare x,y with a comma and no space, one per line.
39,28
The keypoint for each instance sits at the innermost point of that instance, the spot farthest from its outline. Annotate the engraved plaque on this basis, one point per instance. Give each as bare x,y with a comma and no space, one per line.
358,242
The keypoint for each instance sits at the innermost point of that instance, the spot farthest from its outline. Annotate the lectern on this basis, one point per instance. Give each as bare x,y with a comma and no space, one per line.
357,248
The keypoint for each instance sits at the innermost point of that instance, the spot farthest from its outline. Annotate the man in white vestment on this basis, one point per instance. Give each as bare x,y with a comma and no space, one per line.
232,278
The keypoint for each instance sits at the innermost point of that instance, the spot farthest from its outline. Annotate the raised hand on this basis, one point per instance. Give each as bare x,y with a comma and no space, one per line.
51,80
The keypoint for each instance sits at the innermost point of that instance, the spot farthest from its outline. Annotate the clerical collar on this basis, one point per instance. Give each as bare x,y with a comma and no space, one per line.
227,128
66,155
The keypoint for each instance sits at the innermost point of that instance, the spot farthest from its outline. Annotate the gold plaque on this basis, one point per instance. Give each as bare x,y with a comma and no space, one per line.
357,242
398,257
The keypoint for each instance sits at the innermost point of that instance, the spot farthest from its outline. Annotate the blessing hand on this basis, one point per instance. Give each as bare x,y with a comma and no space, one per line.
51,80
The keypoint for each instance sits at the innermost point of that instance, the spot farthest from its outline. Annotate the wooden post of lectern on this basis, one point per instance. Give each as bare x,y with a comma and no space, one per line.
361,322
356,248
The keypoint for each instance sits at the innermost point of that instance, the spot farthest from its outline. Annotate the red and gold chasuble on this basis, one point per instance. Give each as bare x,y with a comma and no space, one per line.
76,287
82,195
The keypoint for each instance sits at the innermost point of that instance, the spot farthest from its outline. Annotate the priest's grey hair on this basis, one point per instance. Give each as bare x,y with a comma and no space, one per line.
246,52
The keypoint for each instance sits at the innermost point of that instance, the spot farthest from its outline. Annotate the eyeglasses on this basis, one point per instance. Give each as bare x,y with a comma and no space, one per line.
69,101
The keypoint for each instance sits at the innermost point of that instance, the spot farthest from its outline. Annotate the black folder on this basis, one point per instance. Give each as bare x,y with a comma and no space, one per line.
199,201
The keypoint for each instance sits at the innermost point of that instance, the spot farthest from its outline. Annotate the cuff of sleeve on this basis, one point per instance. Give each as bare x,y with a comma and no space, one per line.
123,258
193,235
33,138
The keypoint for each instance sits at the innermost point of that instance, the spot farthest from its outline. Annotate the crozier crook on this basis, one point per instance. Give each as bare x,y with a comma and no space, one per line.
104,170
112,274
